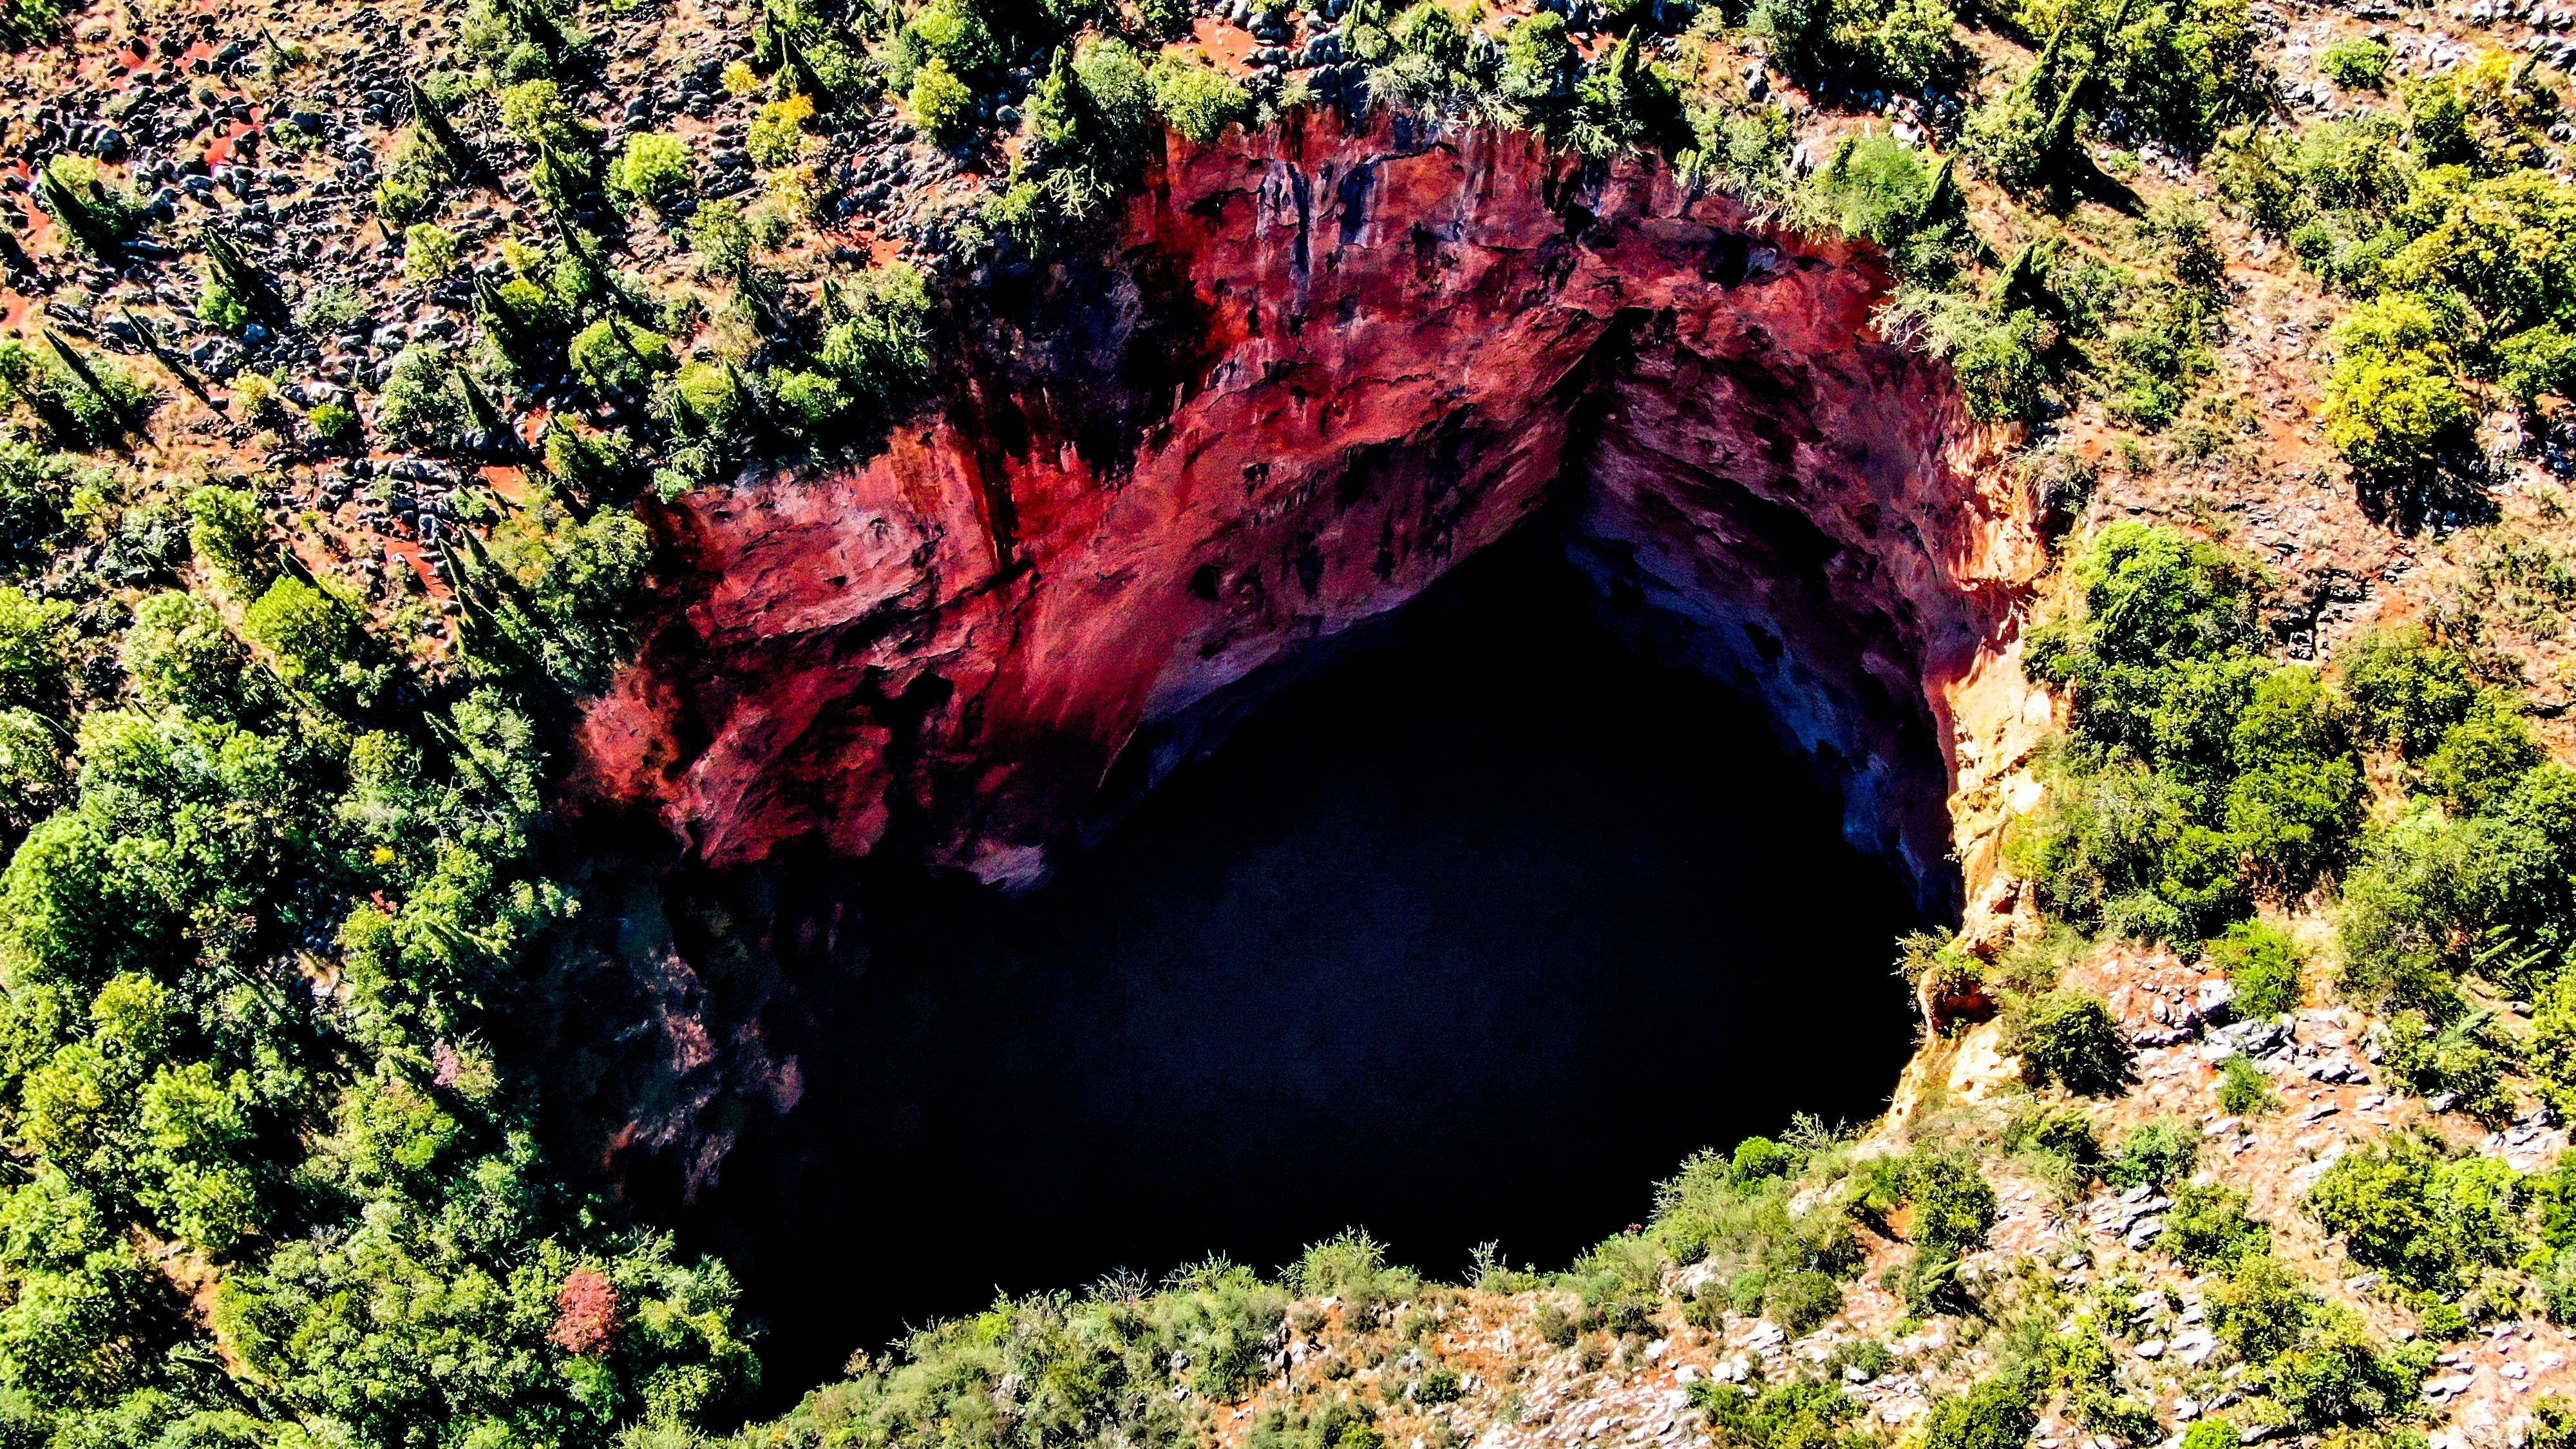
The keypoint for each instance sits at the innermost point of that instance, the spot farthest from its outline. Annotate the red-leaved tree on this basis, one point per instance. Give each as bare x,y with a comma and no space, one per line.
585,1313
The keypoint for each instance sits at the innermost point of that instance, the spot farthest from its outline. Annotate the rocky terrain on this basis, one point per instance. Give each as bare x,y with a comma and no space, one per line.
916,472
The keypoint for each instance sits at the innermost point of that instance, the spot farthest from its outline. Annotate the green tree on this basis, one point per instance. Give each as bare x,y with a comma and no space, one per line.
2405,690
227,534
316,642
181,655
34,637
2393,399
2485,753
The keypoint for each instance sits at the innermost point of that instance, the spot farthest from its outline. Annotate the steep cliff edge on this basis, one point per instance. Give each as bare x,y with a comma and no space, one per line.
1320,367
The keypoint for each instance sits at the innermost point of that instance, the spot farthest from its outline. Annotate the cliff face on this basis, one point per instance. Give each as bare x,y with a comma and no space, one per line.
1319,368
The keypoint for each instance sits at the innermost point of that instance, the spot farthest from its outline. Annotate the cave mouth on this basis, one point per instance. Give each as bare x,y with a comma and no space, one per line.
1469,932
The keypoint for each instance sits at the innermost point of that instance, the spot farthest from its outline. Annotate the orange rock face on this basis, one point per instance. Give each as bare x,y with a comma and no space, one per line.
1334,364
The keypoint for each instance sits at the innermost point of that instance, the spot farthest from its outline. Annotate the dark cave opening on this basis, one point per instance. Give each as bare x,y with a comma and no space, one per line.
1469,933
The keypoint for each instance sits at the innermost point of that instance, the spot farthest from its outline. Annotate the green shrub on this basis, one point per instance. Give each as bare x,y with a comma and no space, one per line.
2005,139
941,103
403,195
316,642
34,488
1622,101
591,463
30,22
1878,187
217,307
1090,113
97,214
227,534
430,252
807,401
880,346
1539,62
2158,360
651,168
181,655
2463,1060
613,354
2243,1090
2430,887
2312,1357
2259,1308
2061,1131
33,774
2405,690
2482,756
2427,1221
1953,1203
34,641
953,34
2550,1052
1801,1302
419,401
2152,601
2070,1038
2355,64
2393,400
332,423
1912,41
2154,1155
1996,1414
536,112
2333,1376
1800,1414
2481,115
2554,1424
2262,963
81,401
2207,1227
1756,1158
1199,101
2541,360
778,131
2199,771
2297,797
1905,43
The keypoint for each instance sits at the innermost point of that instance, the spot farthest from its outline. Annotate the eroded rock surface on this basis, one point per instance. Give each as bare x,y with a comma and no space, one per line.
1322,368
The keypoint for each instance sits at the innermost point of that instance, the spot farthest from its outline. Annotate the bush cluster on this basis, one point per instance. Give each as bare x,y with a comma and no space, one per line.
2198,775
2471,876
2413,217
2444,1228
2311,1365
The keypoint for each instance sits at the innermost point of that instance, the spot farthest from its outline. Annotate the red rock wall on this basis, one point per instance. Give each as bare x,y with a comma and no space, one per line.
1393,347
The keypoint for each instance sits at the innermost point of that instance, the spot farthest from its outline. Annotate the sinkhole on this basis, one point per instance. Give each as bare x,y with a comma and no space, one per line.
1470,928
